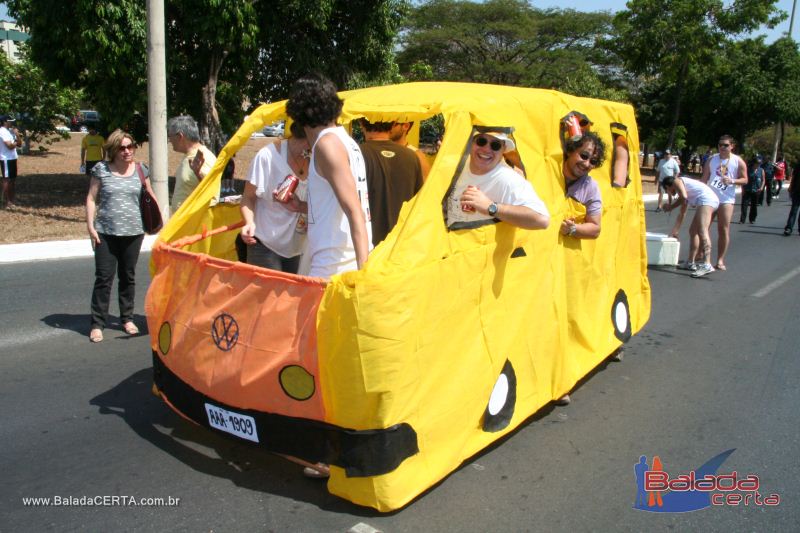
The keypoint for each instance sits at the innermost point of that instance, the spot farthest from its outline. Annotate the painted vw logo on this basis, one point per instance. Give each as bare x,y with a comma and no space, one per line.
225,332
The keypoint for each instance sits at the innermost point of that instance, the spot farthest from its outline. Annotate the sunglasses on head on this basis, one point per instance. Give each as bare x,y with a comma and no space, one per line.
586,156
494,144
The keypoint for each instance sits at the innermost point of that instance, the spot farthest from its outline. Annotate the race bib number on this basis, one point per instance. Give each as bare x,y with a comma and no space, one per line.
718,184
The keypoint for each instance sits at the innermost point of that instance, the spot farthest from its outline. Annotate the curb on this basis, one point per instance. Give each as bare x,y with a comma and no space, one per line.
38,251
42,251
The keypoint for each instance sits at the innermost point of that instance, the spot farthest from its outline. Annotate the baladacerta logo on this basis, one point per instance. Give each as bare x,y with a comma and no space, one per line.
702,487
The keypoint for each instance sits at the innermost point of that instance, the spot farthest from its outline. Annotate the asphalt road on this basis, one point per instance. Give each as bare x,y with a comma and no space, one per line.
716,368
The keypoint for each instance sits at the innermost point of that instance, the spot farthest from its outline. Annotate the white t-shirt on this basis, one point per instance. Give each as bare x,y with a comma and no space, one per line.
718,169
698,193
276,226
502,185
668,167
330,244
6,153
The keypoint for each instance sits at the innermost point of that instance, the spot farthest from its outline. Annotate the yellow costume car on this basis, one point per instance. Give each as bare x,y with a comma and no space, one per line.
444,342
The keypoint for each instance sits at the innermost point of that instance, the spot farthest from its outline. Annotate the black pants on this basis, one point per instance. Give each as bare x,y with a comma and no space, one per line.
794,214
766,192
749,199
118,254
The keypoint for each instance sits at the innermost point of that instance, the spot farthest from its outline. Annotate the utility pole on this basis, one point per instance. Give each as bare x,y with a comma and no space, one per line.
157,103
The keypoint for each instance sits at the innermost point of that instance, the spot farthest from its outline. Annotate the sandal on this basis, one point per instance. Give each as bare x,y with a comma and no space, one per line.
318,471
720,266
130,328
96,335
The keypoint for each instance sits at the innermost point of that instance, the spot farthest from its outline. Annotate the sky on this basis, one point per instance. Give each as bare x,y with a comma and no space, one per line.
617,5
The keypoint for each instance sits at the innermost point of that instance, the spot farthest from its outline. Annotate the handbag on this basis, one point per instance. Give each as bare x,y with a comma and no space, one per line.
151,213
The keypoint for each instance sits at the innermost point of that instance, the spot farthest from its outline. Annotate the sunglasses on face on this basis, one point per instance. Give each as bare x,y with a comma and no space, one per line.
127,147
586,156
724,145
494,144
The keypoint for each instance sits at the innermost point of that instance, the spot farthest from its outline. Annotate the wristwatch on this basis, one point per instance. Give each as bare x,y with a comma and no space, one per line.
492,209
573,230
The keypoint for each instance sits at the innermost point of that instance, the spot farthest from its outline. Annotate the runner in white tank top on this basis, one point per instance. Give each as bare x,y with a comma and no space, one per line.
330,245
723,172
719,169
699,193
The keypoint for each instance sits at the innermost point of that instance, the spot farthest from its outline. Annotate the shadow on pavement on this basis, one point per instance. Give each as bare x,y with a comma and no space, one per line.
245,465
80,323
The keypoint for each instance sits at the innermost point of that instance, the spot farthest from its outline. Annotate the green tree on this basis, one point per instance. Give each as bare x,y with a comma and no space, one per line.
219,52
676,40
349,41
508,42
211,47
91,44
37,102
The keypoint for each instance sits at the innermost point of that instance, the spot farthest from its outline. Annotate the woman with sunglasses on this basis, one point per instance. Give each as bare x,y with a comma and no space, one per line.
115,229
693,193
488,190
723,172
585,206
583,153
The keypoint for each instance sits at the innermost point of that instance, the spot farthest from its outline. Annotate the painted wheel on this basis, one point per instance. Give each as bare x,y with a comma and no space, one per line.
621,316
502,400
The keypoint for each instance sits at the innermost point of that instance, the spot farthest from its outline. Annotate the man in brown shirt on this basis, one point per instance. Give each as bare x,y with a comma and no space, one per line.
393,176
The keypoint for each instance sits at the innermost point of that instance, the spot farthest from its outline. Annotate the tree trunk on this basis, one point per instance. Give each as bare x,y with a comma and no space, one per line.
210,130
676,111
776,141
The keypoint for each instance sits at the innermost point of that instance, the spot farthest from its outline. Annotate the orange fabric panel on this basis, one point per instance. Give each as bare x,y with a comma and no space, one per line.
232,328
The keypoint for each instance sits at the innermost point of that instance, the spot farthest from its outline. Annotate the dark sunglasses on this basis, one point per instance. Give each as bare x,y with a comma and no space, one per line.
586,156
494,145
125,147
724,145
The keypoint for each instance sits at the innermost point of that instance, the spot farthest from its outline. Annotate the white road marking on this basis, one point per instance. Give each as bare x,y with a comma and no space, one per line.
361,527
23,338
777,283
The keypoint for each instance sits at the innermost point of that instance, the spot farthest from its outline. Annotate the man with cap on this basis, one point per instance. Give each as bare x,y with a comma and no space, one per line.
667,168
488,190
10,140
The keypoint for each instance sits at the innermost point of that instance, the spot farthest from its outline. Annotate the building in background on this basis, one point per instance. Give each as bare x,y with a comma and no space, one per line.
10,37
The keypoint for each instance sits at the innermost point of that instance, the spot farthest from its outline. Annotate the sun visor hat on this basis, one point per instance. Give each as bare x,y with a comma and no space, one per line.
500,136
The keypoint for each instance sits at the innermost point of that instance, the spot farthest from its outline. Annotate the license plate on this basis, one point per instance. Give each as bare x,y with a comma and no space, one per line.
234,423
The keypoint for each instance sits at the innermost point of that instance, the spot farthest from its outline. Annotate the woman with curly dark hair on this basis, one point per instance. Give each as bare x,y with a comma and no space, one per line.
582,154
339,230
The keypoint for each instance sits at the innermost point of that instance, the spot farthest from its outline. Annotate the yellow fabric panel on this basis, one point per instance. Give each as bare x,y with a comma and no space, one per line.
420,335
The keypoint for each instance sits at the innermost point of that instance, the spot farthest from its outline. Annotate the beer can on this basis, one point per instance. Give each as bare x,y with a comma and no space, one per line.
286,189
573,124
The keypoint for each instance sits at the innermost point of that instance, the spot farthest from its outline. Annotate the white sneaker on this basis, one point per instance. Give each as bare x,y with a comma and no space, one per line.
702,270
686,265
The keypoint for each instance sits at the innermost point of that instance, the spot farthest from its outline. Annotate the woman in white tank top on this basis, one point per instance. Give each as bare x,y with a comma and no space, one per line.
697,194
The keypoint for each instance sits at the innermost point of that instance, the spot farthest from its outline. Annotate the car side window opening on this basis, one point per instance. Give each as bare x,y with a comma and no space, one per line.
458,216
620,156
